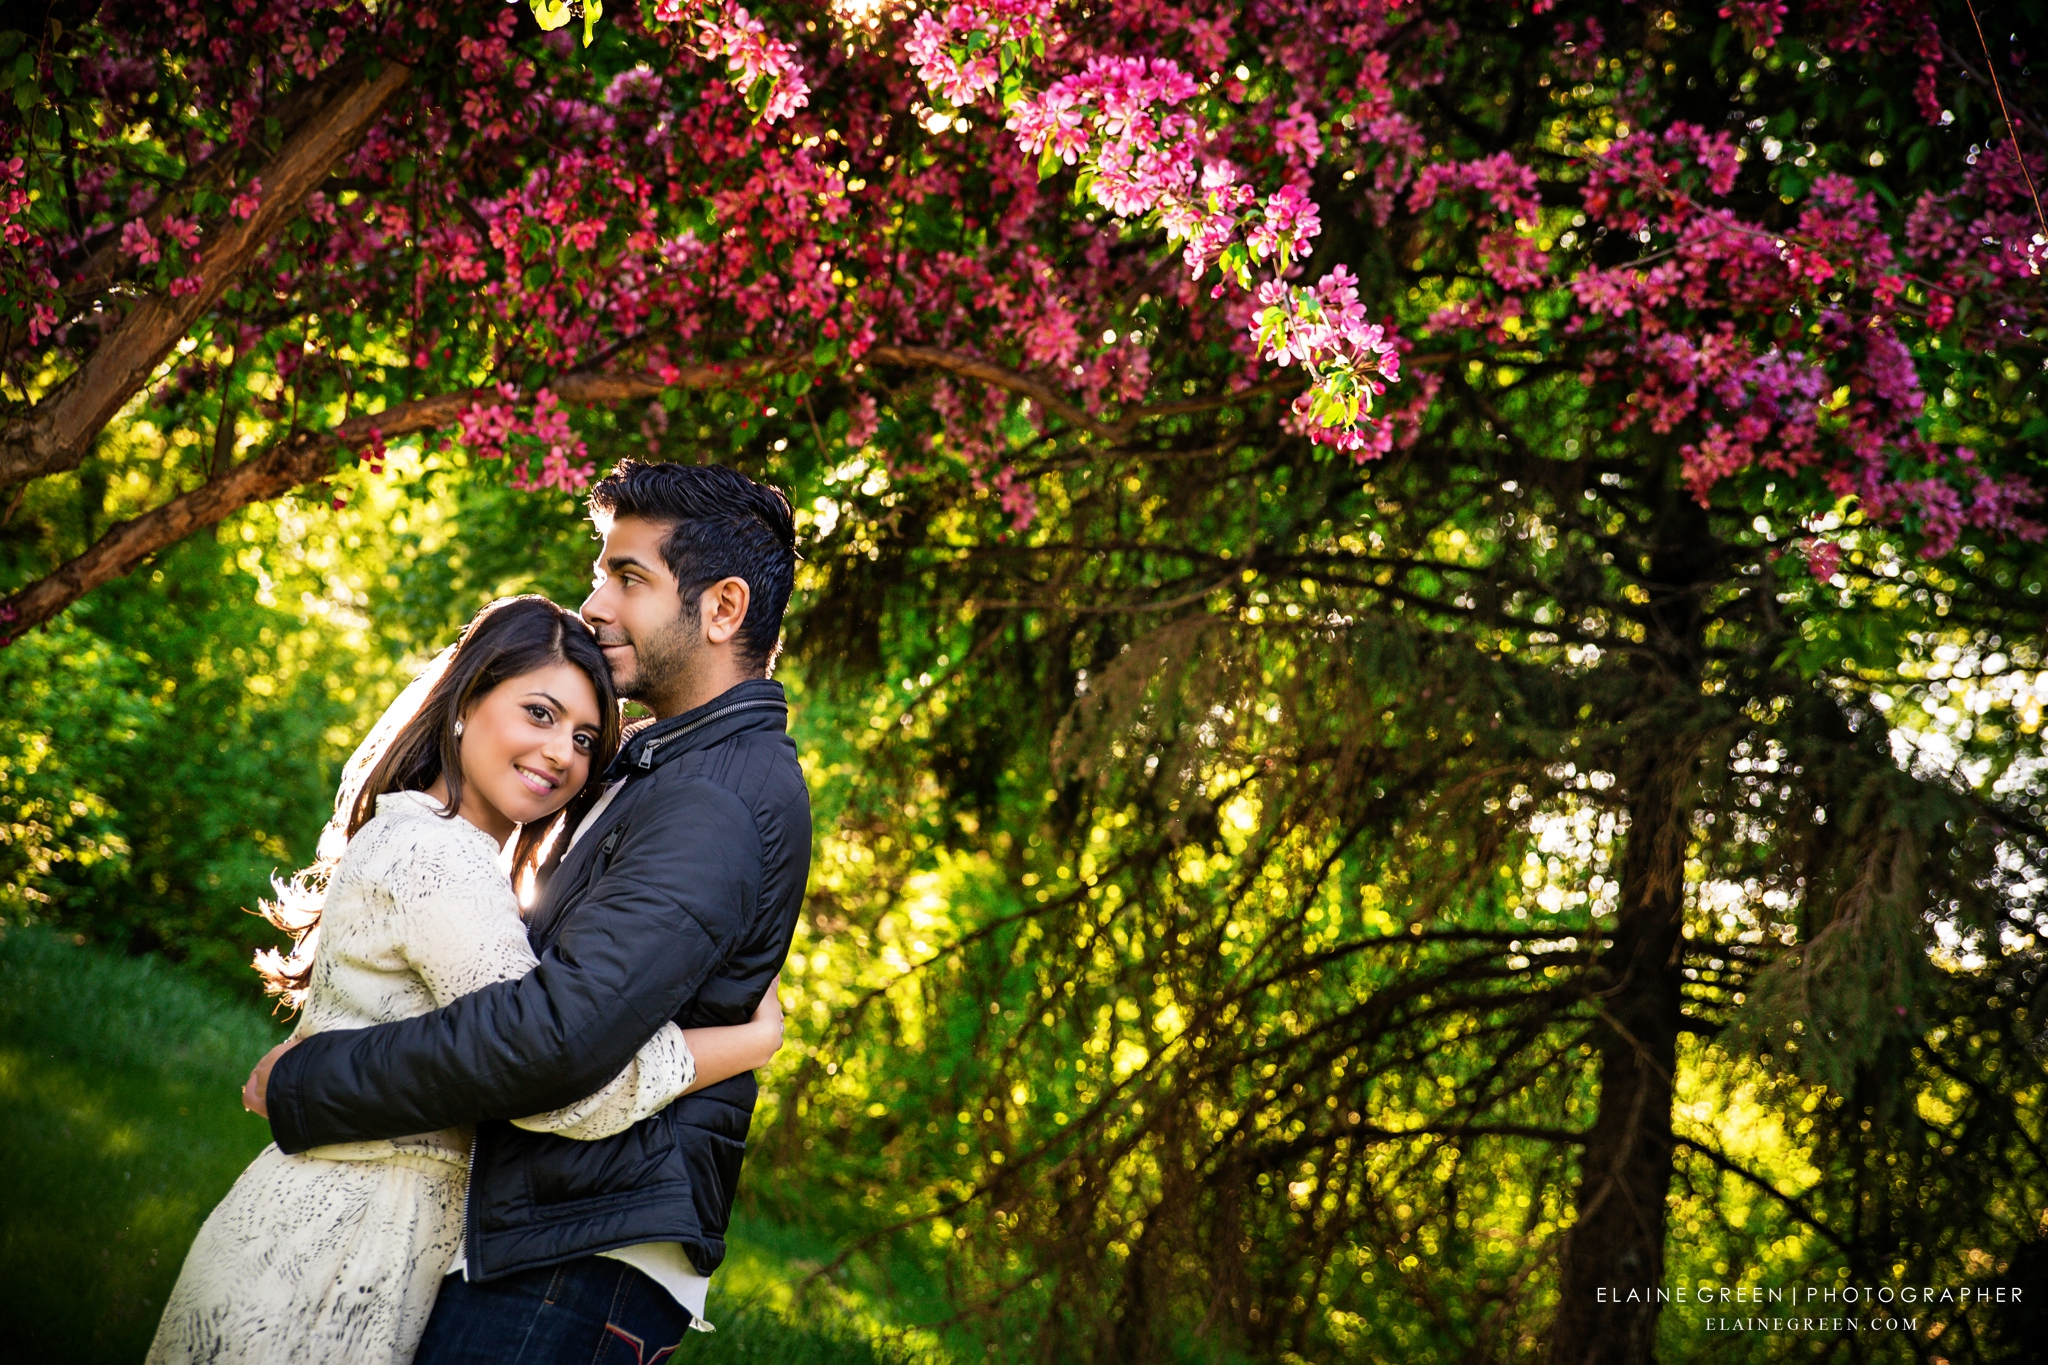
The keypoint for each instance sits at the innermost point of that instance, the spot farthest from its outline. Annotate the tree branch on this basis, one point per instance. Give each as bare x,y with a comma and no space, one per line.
988,372
297,460
58,432
1791,1203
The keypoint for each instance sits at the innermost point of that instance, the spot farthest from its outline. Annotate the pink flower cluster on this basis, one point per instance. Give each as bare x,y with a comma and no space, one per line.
1353,359
1119,115
1119,120
495,431
1758,22
1694,328
958,54
137,241
764,67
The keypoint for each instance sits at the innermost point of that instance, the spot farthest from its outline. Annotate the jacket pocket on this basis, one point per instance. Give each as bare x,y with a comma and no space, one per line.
564,1171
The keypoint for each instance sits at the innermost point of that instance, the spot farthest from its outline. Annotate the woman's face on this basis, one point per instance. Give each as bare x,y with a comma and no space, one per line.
526,747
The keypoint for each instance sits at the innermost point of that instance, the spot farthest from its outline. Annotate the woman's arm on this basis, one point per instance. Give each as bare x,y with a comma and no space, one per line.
668,1065
723,1053
462,932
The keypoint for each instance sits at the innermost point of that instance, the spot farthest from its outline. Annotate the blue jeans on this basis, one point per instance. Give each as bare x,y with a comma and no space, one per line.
588,1311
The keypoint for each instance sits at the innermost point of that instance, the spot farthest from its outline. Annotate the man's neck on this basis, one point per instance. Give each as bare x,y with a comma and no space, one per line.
708,687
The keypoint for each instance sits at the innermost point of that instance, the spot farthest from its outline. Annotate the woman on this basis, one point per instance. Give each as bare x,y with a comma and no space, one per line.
335,1254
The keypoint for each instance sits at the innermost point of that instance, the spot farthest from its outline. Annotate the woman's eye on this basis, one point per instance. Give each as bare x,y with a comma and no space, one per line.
541,715
585,743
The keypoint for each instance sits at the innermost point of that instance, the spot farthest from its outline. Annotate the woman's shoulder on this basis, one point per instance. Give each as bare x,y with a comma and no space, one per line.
412,828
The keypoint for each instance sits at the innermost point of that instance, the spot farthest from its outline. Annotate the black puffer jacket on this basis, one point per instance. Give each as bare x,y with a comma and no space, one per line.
679,903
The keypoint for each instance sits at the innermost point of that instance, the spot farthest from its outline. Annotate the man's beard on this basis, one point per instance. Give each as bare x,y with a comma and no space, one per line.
663,664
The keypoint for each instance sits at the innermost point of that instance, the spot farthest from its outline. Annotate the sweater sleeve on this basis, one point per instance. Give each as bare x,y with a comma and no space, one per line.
660,1071
673,903
463,931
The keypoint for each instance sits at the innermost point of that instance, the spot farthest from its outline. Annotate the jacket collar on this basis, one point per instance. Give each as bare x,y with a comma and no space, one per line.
755,704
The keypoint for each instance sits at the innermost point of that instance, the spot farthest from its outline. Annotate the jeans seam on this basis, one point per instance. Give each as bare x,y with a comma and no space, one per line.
611,1321
533,1323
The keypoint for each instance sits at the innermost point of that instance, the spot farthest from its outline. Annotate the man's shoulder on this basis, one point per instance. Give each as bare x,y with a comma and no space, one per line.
758,767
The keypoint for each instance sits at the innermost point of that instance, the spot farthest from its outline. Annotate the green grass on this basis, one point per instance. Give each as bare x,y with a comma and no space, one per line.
122,1126
121,1117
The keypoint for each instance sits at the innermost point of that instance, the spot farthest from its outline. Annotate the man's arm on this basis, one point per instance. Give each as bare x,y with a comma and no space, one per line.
673,902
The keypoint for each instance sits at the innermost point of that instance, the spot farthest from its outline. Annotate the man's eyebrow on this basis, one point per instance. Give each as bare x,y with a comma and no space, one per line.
617,562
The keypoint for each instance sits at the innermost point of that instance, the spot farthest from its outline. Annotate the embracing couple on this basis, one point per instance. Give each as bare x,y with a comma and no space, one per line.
515,1136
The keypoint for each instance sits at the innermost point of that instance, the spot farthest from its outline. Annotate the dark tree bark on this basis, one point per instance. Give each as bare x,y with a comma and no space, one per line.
1617,1240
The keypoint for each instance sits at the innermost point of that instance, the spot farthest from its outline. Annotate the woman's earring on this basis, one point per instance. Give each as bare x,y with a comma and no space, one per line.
458,729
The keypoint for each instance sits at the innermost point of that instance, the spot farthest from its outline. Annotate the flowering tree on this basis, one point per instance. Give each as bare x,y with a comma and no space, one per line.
520,222
1614,338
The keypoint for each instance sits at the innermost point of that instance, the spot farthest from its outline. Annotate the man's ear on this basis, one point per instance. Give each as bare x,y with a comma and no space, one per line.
723,609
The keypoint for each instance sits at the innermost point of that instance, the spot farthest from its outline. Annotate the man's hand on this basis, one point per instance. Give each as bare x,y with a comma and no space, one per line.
256,1090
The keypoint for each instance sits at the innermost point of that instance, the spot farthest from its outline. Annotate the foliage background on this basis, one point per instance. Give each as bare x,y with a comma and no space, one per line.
1201,957
175,742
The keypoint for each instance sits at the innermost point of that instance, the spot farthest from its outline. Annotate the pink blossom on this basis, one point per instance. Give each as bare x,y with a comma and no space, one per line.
136,241
727,30
1297,137
863,421
1823,558
1759,22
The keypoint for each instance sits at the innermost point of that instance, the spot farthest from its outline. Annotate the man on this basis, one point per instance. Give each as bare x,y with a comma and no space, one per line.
676,899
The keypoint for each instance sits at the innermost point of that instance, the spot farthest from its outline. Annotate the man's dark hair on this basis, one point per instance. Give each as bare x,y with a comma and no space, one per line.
721,524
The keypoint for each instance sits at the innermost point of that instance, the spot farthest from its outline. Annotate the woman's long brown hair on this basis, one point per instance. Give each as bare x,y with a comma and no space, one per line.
509,638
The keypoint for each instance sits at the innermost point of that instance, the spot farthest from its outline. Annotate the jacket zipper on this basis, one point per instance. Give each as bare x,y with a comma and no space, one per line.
469,1237
646,760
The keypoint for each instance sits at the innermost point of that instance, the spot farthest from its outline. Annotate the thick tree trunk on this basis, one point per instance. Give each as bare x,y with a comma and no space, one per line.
1617,1243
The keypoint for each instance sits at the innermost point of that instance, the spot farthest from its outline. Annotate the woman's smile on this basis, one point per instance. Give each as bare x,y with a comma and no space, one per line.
536,782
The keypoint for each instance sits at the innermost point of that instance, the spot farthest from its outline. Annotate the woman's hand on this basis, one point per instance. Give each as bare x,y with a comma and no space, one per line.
725,1052
767,1022
256,1090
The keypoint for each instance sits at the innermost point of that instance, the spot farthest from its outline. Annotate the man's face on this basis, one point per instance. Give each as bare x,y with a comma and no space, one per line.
650,640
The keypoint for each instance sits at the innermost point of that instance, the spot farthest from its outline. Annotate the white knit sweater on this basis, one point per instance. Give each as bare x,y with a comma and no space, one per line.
334,1255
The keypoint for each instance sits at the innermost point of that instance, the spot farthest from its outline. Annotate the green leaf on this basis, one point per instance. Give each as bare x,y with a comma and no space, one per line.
1048,163
550,14
758,94
593,10
824,353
